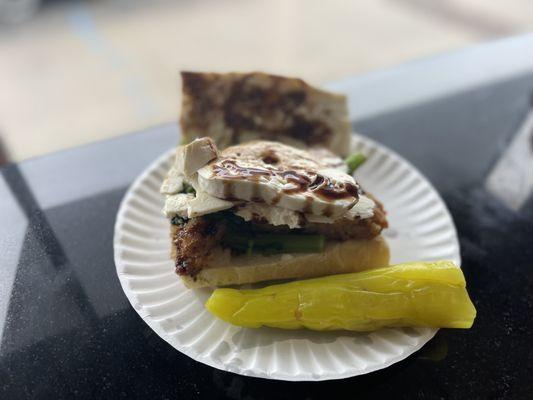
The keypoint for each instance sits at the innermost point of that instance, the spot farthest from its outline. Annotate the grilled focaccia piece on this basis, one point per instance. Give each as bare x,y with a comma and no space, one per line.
237,107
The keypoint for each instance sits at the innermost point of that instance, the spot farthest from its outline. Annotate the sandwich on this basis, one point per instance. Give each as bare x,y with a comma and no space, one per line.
263,210
260,189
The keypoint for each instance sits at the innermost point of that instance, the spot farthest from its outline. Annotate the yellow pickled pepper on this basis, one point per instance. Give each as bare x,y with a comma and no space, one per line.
431,294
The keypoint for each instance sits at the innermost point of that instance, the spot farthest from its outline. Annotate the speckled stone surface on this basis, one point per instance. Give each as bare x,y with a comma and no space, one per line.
69,332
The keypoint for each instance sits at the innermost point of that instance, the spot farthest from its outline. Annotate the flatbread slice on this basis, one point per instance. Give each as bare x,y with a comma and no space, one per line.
236,107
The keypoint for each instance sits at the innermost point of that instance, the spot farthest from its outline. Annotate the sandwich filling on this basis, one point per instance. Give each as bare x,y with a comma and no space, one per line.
261,198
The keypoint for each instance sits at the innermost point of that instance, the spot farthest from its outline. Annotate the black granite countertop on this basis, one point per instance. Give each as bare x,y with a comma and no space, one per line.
68,331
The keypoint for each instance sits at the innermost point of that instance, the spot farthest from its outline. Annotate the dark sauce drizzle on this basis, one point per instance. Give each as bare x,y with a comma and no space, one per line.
321,186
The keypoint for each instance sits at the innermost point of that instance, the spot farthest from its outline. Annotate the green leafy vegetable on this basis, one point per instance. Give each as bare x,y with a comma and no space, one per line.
248,238
188,188
274,243
179,221
354,161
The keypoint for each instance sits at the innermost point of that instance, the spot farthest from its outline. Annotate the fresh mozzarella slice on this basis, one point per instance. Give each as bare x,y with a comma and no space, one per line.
191,157
177,204
279,175
204,203
319,219
173,183
273,215
188,205
363,209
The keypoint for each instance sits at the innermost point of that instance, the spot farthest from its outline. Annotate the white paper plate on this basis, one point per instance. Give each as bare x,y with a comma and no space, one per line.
420,229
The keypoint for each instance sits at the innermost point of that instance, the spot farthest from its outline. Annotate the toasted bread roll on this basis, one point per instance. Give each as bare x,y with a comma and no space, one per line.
339,257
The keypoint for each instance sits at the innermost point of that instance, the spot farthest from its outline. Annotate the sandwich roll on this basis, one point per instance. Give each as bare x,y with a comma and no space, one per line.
338,258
